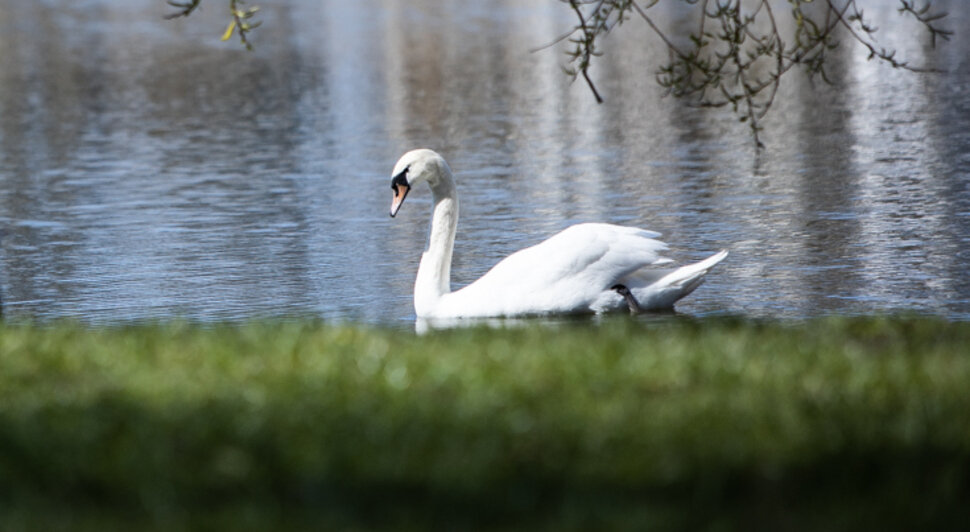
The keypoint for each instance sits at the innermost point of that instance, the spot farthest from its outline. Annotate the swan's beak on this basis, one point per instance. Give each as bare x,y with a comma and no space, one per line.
400,186
400,192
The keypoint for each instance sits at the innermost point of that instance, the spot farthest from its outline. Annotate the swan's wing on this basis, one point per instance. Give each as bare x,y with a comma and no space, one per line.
660,289
565,273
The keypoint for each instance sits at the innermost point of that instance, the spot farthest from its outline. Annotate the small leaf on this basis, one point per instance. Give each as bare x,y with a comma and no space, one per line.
229,30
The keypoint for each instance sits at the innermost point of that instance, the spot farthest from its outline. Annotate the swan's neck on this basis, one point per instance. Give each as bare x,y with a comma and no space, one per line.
434,273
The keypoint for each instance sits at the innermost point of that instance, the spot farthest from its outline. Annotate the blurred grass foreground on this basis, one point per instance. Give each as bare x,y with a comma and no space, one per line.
834,424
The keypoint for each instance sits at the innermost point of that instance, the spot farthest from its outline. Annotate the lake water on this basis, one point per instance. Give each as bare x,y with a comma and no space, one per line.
150,171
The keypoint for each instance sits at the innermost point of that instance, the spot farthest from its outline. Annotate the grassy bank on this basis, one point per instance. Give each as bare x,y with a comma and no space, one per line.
834,424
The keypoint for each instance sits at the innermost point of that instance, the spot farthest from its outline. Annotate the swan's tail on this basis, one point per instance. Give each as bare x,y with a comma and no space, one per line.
660,290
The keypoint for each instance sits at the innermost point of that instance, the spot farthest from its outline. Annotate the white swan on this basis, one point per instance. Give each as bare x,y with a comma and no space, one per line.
590,267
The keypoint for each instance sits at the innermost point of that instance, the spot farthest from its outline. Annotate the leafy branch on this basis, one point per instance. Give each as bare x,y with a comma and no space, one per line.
240,22
738,54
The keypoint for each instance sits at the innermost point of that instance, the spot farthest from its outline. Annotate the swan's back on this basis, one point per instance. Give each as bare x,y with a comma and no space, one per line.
566,273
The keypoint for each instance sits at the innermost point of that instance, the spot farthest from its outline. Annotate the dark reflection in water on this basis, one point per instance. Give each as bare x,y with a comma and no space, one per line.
150,171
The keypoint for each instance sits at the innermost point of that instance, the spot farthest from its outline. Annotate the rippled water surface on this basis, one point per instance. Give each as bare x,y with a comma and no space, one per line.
149,170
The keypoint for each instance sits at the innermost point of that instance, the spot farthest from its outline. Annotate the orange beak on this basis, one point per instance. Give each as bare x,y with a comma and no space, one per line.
400,192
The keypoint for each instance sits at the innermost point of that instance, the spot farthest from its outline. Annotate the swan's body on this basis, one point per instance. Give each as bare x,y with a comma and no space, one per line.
576,270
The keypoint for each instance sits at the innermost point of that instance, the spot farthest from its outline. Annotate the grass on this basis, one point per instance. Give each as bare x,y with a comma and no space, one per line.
835,424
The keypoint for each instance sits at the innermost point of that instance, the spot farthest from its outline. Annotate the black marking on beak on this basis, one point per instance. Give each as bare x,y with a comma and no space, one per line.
400,179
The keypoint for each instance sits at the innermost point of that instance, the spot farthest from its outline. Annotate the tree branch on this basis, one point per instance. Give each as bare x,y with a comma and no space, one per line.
721,66
240,18
185,8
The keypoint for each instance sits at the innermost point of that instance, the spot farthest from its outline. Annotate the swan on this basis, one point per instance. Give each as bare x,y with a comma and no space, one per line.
586,268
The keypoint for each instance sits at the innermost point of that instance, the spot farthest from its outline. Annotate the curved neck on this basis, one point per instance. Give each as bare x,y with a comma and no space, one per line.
434,273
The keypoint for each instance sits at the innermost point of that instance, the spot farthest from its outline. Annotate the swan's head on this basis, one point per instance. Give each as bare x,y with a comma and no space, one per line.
412,168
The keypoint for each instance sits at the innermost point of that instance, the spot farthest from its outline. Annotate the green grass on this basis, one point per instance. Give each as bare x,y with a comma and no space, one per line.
835,424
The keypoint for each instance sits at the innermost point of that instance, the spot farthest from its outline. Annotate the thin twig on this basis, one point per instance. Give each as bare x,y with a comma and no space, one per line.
554,42
185,8
584,66
656,30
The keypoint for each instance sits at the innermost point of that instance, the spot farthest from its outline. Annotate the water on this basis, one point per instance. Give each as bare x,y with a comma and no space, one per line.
150,171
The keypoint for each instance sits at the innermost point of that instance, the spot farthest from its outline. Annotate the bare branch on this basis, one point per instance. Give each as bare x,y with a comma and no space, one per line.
184,8
928,19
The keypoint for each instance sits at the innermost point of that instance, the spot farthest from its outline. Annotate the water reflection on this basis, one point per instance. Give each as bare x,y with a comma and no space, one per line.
149,170
427,325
